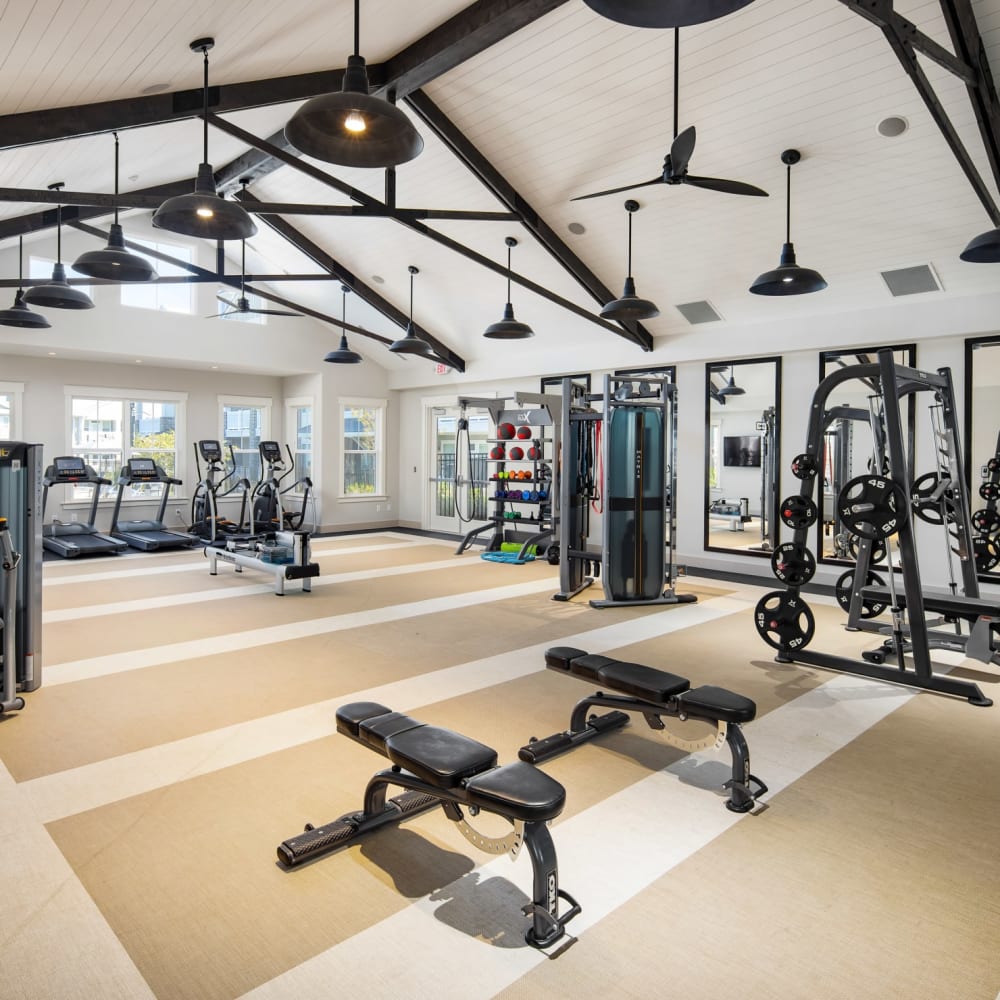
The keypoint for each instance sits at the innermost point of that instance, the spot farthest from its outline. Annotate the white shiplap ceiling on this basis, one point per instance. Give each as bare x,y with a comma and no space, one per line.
571,104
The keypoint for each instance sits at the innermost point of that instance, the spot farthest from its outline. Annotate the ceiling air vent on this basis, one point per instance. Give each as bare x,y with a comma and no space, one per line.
911,280
698,312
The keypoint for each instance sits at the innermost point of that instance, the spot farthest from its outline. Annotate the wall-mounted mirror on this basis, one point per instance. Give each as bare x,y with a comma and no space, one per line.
982,451
742,455
849,444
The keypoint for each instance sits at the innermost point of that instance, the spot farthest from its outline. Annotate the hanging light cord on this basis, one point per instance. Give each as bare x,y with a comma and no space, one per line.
204,52
508,274
629,268
59,231
115,134
20,262
788,204
677,77
243,269
357,26
411,298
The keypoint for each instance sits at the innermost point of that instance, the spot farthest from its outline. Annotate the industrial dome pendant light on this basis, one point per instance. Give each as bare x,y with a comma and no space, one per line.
411,343
731,388
114,262
58,293
343,355
629,306
509,328
354,128
984,249
664,13
788,278
204,213
19,314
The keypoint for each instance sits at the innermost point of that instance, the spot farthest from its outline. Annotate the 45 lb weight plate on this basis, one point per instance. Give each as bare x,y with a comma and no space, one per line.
845,590
784,622
872,506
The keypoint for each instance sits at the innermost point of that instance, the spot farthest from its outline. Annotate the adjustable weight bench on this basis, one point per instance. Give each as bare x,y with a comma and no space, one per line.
652,693
441,767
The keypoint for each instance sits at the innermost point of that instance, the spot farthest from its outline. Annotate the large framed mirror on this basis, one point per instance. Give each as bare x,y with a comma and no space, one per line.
849,444
982,451
742,455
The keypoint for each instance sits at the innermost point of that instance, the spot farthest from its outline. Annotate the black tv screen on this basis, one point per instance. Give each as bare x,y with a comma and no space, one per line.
741,451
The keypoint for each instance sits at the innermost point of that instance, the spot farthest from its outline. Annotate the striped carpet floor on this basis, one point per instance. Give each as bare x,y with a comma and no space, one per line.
186,726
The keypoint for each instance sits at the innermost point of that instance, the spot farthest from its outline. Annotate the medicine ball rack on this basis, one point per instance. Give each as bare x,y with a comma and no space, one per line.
873,506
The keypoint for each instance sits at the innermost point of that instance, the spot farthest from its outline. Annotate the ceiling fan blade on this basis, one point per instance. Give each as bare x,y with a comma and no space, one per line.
276,312
680,151
627,187
729,187
232,305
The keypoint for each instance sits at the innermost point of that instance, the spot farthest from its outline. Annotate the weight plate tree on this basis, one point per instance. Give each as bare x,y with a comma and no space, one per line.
877,510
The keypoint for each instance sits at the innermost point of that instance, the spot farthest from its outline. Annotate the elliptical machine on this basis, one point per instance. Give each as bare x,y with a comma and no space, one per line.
267,509
206,521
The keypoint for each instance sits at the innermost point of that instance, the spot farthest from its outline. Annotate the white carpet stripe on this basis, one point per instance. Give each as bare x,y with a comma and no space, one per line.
217,594
68,792
654,825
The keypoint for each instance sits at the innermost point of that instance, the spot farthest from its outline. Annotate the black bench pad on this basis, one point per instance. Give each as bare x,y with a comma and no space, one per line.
938,603
439,756
577,662
350,717
560,657
374,732
713,702
519,791
640,681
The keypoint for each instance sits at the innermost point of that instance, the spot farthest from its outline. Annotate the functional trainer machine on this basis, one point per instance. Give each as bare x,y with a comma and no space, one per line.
147,534
875,506
21,576
76,538
438,767
652,693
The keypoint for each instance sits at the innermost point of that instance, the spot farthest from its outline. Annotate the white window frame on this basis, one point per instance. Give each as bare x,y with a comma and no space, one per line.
165,248
292,404
382,405
265,403
16,391
123,396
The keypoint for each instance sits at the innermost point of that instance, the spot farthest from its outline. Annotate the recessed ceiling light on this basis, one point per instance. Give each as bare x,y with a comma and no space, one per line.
577,228
892,126
155,88
215,368
52,354
137,361
378,279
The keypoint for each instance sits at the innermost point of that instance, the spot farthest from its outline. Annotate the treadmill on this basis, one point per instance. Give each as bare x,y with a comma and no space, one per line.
147,535
75,538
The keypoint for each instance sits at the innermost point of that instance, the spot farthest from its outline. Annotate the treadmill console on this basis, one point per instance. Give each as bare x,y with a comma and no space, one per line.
270,452
68,469
211,451
142,470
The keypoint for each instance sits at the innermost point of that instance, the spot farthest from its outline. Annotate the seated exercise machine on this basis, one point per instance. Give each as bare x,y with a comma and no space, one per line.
268,509
652,693
283,554
148,535
736,512
76,538
206,522
436,766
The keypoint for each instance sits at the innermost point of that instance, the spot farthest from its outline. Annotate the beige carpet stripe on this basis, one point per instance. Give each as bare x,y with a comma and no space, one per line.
64,793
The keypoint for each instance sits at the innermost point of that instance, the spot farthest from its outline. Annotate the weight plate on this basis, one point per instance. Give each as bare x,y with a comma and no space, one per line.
989,490
872,506
878,550
986,521
798,512
793,564
844,590
931,503
804,466
783,621
987,552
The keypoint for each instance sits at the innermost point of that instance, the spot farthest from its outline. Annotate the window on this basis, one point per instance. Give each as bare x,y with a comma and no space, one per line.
226,310
299,424
715,456
362,423
109,426
10,410
246,421
41,267
168,298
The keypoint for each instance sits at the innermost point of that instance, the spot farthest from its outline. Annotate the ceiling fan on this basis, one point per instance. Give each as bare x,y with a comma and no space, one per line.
675,163
242,304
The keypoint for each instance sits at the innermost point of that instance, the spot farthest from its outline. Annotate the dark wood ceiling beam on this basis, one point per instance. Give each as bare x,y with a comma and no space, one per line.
484,171
319,256
171,279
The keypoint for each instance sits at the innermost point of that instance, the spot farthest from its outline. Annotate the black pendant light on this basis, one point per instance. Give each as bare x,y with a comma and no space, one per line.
58,293
114,262
509,328
19,314
204,213
731,388
353,128
788,278
630,306
664,13
984,249
343,355
411,343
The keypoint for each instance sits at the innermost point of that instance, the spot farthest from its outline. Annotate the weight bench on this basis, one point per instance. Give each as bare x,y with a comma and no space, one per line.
983,619
441,767
652,693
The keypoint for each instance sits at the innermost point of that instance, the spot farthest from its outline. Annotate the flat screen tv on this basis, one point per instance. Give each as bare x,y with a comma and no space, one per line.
741,451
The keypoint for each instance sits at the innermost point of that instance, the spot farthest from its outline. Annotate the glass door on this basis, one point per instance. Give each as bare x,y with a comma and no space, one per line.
458,473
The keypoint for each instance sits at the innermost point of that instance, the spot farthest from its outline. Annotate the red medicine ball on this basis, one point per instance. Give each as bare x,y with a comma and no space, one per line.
505,431
497,452
516,454
534,453
524,432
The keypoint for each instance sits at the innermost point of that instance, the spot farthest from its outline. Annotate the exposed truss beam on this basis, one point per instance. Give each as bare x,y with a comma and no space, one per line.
170,279
484,171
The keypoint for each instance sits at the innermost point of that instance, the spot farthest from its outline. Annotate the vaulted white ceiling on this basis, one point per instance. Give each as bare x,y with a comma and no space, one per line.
571,104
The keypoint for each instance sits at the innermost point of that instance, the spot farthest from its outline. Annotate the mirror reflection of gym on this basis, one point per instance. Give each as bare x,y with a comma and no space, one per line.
982,451
742,460
848,445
